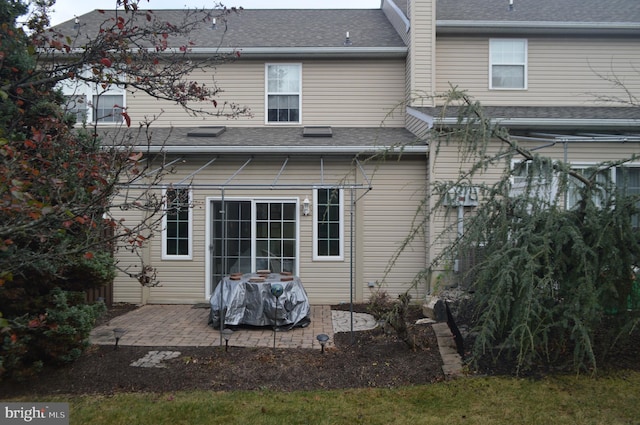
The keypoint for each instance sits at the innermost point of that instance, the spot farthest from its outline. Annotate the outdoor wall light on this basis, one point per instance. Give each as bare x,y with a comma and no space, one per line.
322,339
306,204
226,334
117,333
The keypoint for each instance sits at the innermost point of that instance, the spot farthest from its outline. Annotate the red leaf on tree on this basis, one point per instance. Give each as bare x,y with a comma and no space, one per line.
19,90
215,103
165,35
29,144
14,338
88,255
127,118
135,156
106,62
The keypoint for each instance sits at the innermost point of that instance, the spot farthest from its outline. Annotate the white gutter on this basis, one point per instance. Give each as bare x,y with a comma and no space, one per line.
552,122
294,52
467,26
291,52
306,150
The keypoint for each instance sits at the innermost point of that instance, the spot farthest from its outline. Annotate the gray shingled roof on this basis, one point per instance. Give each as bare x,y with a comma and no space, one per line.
249,139
609,11
274,28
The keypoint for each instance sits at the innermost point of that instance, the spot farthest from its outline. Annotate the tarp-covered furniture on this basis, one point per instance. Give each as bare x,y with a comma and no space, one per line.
248,300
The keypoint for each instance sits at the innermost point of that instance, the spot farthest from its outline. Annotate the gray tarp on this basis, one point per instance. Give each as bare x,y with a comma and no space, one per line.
249,302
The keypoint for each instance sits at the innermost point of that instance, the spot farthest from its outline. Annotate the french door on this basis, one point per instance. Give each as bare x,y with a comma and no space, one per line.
254,235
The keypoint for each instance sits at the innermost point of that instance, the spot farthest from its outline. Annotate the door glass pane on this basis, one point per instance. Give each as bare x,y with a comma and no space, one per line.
274,240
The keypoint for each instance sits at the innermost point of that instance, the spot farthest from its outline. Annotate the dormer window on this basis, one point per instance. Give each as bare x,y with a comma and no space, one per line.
508,64
283,93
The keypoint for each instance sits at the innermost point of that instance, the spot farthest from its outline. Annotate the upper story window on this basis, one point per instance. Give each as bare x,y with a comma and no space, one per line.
283,97
93,103
177,229
508,64
76,104
328,229
108,108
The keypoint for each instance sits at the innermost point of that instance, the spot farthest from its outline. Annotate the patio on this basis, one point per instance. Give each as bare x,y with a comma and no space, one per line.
186,326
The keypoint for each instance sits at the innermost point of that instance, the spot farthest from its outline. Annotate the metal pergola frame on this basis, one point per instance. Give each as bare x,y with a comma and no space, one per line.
274,185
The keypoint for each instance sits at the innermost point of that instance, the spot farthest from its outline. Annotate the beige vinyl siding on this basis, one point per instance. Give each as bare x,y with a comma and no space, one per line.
388,215
126,289
348,93
422,53
399,187
561,71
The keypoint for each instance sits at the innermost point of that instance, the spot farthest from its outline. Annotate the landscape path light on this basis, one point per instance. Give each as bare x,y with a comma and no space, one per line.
118,333
322,339
276,291
226,334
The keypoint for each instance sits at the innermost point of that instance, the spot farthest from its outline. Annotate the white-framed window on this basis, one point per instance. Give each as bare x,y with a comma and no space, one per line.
254,234
507,64
100,105
283,98
177,223
628,184
539,179
603,181
77,105
328,224
108,108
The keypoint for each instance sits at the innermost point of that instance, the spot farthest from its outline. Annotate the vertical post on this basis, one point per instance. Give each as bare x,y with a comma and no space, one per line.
223,236
351,252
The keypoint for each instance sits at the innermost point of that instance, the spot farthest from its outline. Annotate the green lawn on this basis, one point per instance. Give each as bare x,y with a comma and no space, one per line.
555,400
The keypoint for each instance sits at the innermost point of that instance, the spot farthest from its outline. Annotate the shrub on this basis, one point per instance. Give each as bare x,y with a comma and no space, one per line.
55,337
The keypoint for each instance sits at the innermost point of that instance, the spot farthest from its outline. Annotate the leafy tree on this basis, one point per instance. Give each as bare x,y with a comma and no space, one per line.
58,184
551,280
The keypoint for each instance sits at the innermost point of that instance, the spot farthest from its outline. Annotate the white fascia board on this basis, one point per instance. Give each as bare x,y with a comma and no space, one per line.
405,150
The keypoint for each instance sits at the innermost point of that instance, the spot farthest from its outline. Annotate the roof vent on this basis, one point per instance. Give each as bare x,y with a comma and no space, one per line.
347,40
207,132
317,132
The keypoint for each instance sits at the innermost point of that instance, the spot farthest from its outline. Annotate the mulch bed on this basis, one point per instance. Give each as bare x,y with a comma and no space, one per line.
366,359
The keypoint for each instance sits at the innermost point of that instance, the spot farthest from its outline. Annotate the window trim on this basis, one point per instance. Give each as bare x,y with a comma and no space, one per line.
209,215
316,256
550,196
525,64
267,93
585,165
165,255
93,109
89,90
